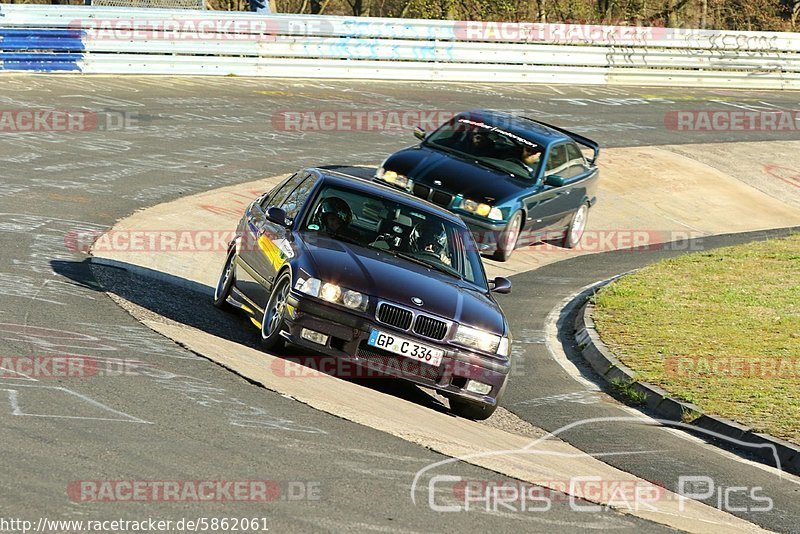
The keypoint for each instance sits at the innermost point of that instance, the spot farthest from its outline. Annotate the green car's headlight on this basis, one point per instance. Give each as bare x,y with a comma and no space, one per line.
478,339
483,210
333,293
393,178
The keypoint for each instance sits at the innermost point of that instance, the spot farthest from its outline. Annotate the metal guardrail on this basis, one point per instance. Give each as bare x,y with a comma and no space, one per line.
166,4
160,41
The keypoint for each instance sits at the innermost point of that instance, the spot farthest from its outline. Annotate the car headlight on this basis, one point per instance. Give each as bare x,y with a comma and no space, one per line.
400,180
478,339
333,293
330,292
353,299
484,210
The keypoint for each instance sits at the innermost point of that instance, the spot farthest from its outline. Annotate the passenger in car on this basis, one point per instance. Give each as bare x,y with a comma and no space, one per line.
530,157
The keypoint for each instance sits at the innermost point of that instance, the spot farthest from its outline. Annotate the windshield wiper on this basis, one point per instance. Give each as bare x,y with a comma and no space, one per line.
412,258
470,157
342,237
490,165
451,150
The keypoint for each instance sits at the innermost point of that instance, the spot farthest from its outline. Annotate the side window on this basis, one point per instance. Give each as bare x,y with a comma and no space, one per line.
557,161
574,154
280,193
297,198
577,165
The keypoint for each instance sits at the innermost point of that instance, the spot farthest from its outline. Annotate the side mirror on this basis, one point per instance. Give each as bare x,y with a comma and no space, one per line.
554,180
419,133
277,215
500,285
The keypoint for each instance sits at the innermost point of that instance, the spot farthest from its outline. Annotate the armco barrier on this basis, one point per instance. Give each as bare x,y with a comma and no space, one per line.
111,40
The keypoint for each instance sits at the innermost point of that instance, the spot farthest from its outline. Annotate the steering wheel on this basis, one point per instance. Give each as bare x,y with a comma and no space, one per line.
433,256
521,163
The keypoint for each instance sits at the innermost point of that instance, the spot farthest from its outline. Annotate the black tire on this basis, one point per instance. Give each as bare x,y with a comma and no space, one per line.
508,238
576,227
225,282
471,410
273,320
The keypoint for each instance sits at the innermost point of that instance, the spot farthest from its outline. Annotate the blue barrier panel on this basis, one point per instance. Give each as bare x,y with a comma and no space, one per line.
40,62
57,40
41,50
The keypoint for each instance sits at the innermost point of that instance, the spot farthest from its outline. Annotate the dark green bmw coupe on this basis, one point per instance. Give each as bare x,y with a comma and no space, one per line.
513,180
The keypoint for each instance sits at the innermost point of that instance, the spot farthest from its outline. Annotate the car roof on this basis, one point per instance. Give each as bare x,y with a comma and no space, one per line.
365,185
521,126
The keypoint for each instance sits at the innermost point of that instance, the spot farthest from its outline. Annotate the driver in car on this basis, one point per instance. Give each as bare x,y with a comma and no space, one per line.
480,144
333,215
430,239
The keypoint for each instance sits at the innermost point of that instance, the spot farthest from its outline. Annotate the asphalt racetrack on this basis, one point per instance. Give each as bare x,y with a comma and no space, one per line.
159,411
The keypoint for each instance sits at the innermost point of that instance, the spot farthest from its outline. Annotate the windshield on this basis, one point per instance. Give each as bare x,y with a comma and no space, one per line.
401,230
489,145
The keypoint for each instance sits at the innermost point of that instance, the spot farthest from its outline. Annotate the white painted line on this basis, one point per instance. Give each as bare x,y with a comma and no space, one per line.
17,410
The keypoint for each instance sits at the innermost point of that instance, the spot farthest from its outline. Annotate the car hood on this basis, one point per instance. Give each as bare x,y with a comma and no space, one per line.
383,276
457,175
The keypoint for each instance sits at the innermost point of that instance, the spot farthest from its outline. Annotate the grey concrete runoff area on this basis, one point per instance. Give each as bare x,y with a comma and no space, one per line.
178,399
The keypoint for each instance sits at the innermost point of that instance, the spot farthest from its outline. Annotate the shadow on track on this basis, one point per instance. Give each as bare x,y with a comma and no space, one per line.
163,297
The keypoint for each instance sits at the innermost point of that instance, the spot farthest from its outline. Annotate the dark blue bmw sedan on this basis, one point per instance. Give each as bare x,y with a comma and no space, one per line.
363,273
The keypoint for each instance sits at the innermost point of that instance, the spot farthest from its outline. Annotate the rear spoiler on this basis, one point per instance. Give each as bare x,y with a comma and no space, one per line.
578,138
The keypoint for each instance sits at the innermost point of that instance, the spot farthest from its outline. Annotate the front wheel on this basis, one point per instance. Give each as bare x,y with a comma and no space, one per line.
508,238
576,227
225,282
471,410
476,411
273,321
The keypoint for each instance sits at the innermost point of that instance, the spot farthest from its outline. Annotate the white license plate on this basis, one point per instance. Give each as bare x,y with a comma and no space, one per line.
405,347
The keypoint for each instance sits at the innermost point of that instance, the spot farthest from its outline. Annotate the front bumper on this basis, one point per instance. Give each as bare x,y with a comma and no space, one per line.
348,334
486,233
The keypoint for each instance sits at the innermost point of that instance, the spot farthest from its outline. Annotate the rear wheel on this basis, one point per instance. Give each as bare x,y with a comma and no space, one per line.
225,282
274,313
576,227
508,238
